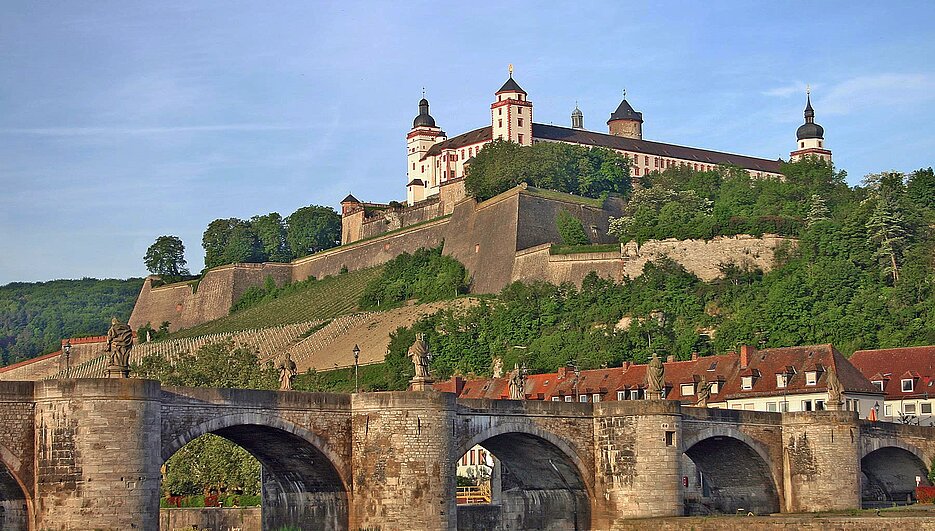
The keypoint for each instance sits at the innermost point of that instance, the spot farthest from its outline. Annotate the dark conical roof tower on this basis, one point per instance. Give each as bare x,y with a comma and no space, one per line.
625,121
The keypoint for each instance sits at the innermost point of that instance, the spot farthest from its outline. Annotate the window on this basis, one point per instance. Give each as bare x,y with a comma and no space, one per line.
635,394
771,406
568,398
646,160
878,384
556,399
888,410
462,154
582,398
670,438
413,165
806,405
784,407
819,143
519,122
781,380
636,170
499,123
802,144
596,397
688,389
520,110
423,168
811,378
857,406
520,138
907,385
748,407
736,406
621,395
714,388
819,405
926,408
746,383
909,409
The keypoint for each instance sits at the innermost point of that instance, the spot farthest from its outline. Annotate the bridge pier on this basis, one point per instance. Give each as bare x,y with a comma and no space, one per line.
821,461
97,454
402,451
638,460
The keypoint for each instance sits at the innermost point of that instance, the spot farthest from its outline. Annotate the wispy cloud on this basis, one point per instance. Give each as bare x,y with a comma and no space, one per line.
785,91
881,90
103,131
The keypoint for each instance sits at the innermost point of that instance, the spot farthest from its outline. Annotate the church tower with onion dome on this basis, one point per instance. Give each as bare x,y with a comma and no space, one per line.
421,175
511,114
810,137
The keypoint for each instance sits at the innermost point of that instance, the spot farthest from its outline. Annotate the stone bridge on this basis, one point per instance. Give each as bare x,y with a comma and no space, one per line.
86,454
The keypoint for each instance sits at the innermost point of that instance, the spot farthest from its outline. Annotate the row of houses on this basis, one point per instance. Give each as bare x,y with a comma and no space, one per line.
889,384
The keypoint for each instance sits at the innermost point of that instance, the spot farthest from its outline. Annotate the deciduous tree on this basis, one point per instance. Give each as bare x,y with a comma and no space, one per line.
166,257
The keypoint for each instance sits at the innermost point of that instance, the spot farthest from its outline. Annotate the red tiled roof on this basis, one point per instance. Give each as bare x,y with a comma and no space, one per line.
765,364
891,365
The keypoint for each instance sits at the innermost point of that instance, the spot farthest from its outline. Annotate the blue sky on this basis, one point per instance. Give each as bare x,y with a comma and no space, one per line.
123,121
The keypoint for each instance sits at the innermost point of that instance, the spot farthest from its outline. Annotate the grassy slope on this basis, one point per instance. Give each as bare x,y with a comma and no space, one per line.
325,299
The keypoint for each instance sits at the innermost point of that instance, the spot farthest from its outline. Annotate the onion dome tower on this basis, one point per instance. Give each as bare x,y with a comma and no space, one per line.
511,114
625,121
421,178
577,118
810,137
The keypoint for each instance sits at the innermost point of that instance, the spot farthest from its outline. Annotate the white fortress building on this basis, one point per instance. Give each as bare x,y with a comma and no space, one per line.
433,159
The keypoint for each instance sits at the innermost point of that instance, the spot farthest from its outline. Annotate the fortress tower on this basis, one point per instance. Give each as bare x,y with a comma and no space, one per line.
421,176
625,121
511,114
810,136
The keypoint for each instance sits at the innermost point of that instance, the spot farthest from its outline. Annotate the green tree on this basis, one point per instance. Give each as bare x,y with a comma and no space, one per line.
818,211
570,229
313,228
271,231
166,257
231,241
887,231
921,187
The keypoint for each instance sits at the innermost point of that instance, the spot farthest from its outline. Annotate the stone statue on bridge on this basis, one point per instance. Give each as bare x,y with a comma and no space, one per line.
655,379
704,392
420,356
287,372
517,383
835,391
119,343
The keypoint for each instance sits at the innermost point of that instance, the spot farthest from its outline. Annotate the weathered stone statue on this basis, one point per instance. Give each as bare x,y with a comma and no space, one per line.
119,343
704,392
835,391
287,372
497,367
517,384
655,379
420,356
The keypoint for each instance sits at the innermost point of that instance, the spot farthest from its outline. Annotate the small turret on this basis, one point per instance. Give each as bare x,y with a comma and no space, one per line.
625,121
511,114
577,118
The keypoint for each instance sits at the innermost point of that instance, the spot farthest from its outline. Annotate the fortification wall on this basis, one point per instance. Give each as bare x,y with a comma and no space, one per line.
41,367
703,258
537,215
483,238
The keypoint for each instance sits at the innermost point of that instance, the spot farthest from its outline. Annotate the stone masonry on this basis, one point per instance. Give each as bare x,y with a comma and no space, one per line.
86,454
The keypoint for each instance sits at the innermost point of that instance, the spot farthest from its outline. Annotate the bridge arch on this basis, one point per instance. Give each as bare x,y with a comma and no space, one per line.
544,483
889,468
16,505
732,472
305,483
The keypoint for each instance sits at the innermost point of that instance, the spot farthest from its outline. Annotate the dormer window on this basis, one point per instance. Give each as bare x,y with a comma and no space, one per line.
780,380
688,389
878,384
907,385
746,383
714,386
811,378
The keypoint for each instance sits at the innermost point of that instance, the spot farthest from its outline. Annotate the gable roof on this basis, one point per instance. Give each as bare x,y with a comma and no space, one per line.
591,138
894,364
476,136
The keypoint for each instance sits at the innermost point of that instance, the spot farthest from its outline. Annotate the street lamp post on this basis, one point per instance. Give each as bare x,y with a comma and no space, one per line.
67,349
356,366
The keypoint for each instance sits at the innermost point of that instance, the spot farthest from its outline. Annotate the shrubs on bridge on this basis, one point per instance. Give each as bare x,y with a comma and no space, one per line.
925,494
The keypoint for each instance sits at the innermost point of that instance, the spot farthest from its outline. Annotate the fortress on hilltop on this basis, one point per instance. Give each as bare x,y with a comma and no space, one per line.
502,239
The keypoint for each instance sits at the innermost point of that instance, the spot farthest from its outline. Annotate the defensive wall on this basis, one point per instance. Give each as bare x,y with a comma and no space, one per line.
500,240
87,453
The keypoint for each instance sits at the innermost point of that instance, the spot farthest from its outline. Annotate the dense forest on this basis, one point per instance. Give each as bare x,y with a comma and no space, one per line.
35,317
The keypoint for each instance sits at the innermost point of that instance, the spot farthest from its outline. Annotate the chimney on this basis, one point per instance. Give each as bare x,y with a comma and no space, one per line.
562,371
746,351
459,385
670,358
626,365
694,356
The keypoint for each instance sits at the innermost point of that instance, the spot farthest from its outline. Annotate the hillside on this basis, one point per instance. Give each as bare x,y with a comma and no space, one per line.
34,317
327,298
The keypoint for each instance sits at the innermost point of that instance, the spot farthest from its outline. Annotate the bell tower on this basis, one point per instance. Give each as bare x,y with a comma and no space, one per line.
511,114
421,176
810,137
